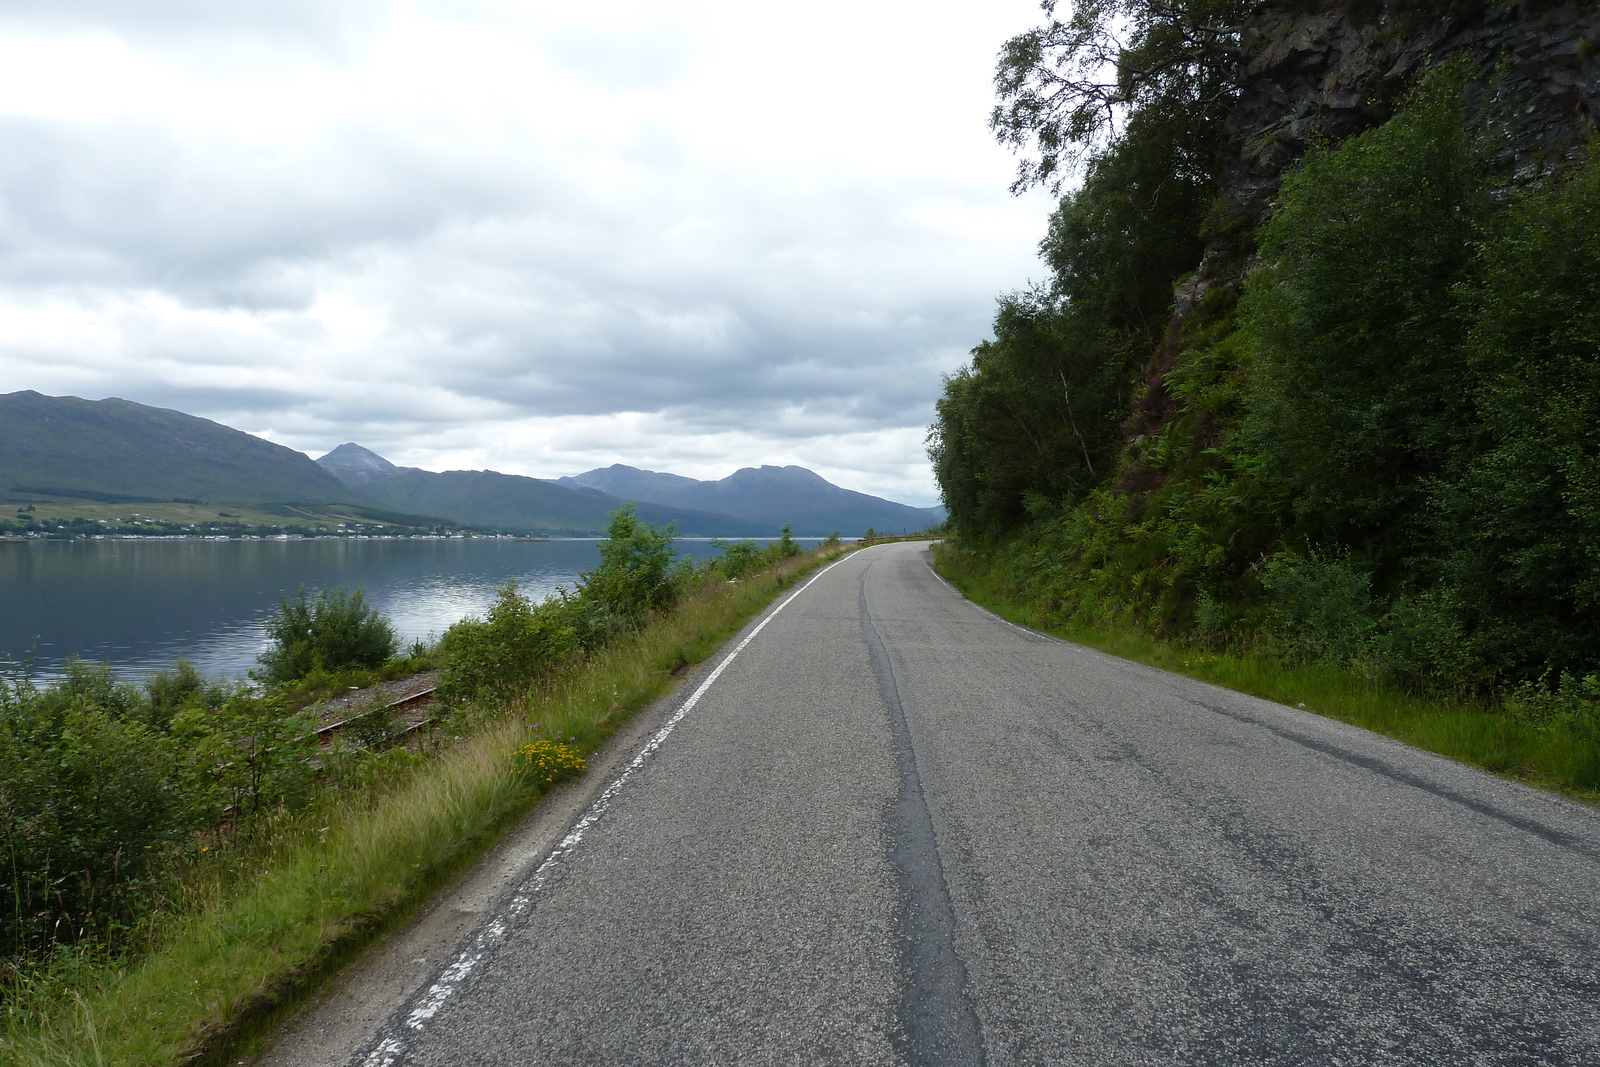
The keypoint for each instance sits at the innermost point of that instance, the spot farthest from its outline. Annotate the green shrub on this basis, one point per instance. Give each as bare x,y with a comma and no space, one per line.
336,631
785,547
1571,702
98,778
1521,519
85,684
85,799
638,568
1322,605
374,728
520,642
1426,646
1358,398
515,645
242,760
738,557
170,692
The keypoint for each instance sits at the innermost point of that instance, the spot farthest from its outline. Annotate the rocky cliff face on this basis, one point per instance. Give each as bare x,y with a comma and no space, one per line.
1334,71
1314,71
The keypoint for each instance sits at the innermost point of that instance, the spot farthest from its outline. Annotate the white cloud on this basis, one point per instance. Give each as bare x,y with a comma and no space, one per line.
520,236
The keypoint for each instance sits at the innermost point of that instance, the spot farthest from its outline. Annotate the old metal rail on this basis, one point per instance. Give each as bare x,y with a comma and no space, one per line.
325,733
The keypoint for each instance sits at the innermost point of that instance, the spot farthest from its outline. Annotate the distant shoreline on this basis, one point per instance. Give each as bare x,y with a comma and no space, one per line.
31,538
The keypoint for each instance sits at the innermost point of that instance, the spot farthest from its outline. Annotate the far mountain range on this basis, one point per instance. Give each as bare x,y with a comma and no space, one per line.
115,451
751,502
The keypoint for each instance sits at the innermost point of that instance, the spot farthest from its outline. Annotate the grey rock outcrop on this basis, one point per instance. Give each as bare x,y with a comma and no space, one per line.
1334,71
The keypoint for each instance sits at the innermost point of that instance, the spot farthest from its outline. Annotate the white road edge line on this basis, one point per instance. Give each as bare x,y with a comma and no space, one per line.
1035,634
389,1050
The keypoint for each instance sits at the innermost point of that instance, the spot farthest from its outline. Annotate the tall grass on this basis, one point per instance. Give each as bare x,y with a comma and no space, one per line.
247,933
1486,733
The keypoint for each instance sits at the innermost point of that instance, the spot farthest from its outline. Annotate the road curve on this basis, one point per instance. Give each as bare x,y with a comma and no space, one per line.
897,829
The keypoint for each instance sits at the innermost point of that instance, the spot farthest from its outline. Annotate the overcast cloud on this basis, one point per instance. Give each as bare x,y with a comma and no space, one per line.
689,237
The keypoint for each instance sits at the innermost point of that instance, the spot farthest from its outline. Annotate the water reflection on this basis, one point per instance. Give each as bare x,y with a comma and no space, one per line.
140,605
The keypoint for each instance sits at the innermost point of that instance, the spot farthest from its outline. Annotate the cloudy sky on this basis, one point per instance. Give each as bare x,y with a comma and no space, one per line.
532,236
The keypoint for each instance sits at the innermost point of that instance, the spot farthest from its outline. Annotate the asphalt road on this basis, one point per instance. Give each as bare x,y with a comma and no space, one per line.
896,829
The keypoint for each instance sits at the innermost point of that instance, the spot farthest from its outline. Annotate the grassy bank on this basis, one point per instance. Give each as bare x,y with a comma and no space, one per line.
248,933
1488,734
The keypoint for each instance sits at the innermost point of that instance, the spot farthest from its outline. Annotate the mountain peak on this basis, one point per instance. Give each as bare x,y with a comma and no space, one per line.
768,474
621,480
354,465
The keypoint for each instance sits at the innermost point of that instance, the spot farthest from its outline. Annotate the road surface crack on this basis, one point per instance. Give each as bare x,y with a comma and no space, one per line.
938,1025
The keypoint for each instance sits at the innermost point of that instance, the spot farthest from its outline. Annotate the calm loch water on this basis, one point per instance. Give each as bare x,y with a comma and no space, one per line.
140,605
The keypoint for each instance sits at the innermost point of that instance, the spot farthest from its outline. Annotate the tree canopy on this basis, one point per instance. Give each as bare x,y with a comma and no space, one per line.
1070,86
1381,448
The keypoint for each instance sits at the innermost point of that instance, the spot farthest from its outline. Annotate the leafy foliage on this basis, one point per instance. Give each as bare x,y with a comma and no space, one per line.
336,631
1359,395
1030,417
98,777
1033,423
1383,454
515,645
519,643
1065,86
1521,510
1321,606
740,558
636,571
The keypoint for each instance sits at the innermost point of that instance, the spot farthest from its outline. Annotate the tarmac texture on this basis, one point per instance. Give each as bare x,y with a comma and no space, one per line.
897,829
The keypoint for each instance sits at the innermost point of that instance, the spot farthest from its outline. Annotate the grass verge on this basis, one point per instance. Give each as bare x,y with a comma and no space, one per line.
1477,732
247,936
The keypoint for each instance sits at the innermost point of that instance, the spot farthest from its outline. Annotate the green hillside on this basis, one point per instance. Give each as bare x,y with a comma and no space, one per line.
116,451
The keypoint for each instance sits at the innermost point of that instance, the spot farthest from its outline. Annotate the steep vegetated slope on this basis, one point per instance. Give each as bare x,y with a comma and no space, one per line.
1319,359
512,502
767,496
115,450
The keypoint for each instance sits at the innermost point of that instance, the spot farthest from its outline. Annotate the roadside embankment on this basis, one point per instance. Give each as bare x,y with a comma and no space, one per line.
1552,743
